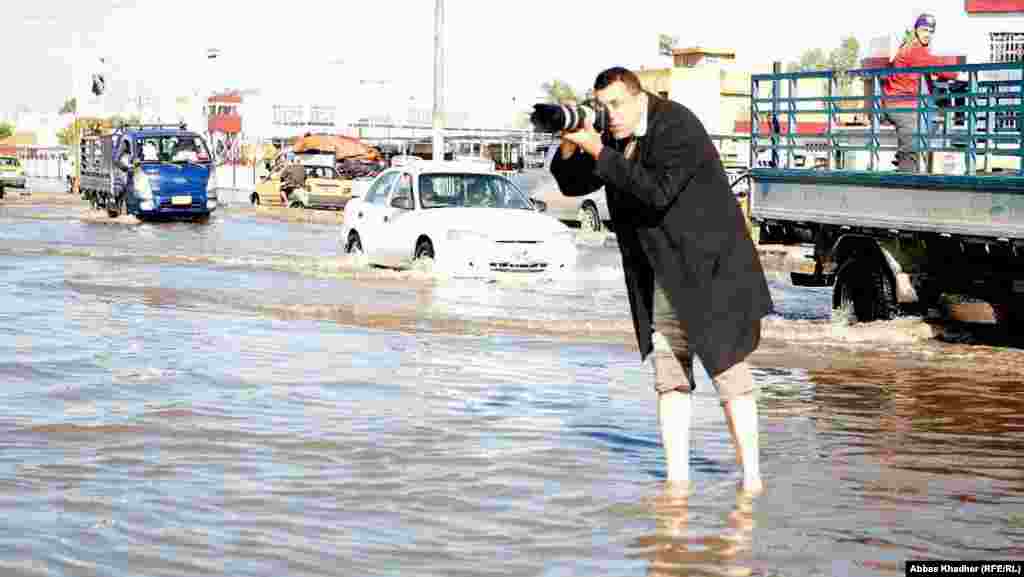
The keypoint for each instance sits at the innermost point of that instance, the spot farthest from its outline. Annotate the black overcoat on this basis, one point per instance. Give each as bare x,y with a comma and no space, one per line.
674,215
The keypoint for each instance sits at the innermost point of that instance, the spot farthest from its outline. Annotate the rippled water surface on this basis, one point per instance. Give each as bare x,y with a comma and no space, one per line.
236,398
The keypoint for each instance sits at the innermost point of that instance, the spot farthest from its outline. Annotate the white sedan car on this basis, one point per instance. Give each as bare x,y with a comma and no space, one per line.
464,217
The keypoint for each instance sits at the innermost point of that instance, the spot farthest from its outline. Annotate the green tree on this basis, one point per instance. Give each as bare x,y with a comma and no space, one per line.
68,135
666,43
522,119
6,130
844,58
117,121
841,59
554,92
811,60
559,90
70,105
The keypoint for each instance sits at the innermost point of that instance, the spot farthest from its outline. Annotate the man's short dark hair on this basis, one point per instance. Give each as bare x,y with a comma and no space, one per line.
617,74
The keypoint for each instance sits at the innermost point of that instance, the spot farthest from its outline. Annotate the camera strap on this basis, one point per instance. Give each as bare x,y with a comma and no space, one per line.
630,150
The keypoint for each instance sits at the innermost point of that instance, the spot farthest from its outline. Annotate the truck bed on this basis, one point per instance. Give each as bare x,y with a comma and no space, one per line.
989,206
95,181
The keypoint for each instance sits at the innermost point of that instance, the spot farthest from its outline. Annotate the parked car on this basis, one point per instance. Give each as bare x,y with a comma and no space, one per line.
463,217
12,175
590,211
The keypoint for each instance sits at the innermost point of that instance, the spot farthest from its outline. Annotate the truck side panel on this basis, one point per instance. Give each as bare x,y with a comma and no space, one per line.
96,165
960,211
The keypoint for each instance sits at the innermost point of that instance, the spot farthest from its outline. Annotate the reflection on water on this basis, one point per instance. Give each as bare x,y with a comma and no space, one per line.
673,549
235,398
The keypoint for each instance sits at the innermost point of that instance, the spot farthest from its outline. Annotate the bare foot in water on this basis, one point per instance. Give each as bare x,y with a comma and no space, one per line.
752,487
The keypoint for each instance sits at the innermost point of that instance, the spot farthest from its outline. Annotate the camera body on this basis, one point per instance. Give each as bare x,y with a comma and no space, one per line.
555,118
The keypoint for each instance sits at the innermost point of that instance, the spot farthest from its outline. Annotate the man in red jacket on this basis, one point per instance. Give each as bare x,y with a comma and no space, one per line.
901,90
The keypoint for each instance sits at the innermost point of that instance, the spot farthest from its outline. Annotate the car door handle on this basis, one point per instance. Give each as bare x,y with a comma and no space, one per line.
360,215
385,219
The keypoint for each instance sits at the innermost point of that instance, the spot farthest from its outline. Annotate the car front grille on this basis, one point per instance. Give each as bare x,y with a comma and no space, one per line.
328,200
505,259
167,203
518,267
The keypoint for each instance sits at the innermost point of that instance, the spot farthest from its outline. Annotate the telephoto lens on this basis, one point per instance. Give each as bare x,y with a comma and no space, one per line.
555,118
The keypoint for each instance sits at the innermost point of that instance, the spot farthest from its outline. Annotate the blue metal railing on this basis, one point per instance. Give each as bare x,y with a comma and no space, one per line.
990,121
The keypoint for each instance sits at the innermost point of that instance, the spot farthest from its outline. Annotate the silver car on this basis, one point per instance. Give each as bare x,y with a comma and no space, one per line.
590,211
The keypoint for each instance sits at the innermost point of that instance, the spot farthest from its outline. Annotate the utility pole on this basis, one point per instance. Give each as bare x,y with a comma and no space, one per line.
437,150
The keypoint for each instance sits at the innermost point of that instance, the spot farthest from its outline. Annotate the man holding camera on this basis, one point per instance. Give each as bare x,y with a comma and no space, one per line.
694,280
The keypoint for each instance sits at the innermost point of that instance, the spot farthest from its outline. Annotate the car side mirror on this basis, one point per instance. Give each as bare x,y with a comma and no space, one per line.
540,205
402,202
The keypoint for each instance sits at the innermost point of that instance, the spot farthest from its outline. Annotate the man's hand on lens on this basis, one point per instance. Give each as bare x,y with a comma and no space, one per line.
586,138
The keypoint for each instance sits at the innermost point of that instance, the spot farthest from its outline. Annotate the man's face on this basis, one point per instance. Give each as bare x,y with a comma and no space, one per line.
623,109
924,34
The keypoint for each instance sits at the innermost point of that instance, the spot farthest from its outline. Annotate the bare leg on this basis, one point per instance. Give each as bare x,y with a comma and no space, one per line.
675,409
732,434
741,413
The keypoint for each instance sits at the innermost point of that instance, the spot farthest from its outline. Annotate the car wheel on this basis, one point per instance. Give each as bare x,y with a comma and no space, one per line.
424,250
353,245
296,204
590,220
255,199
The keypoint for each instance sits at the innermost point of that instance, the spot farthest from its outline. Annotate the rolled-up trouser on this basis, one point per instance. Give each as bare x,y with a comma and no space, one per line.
673,359
906,125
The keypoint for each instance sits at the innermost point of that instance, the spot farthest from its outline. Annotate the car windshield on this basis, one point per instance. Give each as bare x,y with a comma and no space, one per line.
173,148
470,191
8,162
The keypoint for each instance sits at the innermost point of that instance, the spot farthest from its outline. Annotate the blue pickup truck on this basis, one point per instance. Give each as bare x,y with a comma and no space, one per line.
150,171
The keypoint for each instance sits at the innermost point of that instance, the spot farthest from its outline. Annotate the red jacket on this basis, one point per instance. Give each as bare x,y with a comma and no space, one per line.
902,87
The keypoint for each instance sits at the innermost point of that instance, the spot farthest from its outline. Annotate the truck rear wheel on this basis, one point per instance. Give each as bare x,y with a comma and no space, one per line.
353,245
1010,316
114,207
864,293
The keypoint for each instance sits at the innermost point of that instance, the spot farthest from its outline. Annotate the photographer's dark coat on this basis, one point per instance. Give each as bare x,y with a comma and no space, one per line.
675,215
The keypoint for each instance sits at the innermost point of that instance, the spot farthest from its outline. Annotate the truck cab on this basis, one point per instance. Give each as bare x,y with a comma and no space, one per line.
162,171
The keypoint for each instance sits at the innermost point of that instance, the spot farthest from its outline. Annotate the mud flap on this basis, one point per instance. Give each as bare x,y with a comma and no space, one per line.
811,279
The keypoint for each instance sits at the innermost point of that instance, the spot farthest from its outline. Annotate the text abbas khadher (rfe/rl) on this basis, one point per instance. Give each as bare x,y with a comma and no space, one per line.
694,280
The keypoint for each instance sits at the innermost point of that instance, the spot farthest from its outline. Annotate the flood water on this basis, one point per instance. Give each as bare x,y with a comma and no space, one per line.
236,398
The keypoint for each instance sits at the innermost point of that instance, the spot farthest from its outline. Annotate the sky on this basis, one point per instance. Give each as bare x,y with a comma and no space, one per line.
495,52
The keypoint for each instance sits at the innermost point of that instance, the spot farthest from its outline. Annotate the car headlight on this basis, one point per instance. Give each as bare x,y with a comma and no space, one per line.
466,235
143,188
